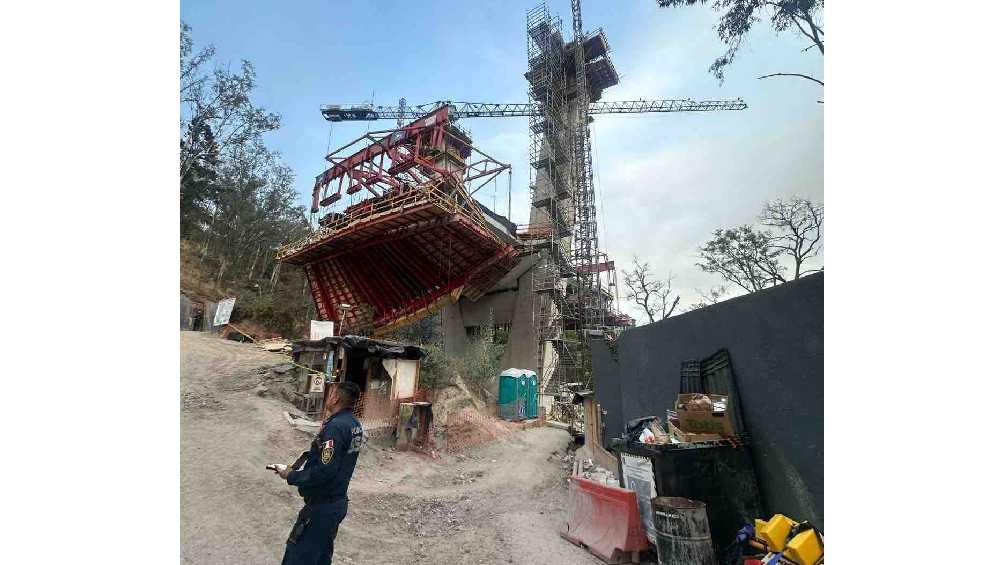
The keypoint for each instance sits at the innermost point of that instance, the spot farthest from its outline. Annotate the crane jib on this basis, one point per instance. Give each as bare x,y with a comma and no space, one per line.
339,113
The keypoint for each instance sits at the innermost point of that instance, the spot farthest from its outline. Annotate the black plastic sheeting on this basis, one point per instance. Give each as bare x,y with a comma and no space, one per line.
714,376
381,348
721,476
774,340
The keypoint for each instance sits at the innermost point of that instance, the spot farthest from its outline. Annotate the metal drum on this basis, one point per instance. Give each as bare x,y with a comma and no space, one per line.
683,536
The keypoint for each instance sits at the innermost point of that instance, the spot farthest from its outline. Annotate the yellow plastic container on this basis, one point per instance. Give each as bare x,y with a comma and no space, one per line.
775,532
759,529
805,548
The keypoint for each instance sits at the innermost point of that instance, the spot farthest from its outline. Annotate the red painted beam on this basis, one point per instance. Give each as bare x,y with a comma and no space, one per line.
596,267
408,134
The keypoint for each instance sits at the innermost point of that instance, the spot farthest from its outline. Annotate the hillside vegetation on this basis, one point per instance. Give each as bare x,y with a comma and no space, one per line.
238,203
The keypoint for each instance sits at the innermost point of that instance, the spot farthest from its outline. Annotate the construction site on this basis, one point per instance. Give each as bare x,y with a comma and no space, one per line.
418,241
598,439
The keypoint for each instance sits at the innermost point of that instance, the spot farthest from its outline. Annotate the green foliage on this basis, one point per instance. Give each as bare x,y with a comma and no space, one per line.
436,368
755,259
428,332
285,310
481,362
237,198
742,256
199,187
739,16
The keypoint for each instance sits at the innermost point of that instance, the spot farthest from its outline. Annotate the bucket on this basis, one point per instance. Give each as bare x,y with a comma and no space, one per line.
682,534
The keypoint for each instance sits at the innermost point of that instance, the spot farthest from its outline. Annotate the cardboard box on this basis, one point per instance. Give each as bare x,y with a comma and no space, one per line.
704,421
687,437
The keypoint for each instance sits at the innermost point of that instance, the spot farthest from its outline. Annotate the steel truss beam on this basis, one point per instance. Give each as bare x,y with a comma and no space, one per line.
365,112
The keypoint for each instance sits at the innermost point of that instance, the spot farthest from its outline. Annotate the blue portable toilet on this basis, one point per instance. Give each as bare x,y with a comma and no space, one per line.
512,395
521,392
517,399
531,395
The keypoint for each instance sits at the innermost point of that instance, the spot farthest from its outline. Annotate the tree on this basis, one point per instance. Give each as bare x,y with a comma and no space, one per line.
218,103
709,297
481,362
738,17
199,188
755,259
742,256
651,294
799,225
237,197
437,365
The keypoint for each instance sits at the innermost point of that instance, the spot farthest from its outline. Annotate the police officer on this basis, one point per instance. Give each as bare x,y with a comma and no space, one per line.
324,480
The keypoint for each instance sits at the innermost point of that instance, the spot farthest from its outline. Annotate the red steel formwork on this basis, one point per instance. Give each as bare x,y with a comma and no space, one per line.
419,242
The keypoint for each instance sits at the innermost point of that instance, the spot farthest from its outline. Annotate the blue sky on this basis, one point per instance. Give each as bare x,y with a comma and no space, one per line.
664,181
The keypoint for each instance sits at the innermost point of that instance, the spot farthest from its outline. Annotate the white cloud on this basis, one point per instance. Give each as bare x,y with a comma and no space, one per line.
666,181
663,202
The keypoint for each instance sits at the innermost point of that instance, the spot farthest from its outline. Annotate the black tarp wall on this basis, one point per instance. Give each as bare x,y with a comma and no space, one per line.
775,340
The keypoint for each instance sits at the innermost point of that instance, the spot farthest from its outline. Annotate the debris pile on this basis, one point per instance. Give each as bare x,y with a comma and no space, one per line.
468,428
589,470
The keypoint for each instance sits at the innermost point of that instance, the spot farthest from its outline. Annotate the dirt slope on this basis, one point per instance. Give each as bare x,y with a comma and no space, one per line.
503,503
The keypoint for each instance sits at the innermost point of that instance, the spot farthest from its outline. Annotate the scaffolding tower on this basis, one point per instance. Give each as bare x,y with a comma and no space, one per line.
589,293
552,217
565,81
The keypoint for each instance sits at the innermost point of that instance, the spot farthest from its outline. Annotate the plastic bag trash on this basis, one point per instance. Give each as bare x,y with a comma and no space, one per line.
647,436
634,427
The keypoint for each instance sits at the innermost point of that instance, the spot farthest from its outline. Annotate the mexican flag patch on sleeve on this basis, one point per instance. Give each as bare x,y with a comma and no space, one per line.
327,451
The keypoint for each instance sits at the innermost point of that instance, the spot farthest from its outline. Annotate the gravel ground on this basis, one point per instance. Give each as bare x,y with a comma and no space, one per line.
502,503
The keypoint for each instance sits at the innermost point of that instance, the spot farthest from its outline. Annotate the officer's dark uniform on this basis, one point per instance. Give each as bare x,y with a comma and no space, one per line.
323,483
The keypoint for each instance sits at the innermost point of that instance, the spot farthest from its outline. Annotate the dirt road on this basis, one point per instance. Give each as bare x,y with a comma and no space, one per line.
503,503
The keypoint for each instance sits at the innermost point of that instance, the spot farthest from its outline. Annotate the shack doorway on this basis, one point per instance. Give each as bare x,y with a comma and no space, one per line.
355,368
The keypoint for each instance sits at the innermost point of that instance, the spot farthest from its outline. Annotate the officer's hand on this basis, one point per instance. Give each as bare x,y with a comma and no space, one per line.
284,472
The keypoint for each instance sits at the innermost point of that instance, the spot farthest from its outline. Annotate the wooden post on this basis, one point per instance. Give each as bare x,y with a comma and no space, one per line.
328,372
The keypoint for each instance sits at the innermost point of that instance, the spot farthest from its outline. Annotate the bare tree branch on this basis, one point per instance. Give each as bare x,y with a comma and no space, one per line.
712,296
738,17
800,225
649,293
792,75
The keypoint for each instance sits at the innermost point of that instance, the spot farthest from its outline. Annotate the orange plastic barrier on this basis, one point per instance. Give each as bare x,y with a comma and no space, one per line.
605,519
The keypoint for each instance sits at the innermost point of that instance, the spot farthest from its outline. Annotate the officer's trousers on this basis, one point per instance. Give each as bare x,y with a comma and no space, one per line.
313,537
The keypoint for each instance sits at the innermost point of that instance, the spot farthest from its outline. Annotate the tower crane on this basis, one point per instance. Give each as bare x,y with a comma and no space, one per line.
566,80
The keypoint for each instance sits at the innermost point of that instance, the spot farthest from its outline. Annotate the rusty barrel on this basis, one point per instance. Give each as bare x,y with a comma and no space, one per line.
683,536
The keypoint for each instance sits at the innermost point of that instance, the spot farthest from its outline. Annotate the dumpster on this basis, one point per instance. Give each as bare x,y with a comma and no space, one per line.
719,474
